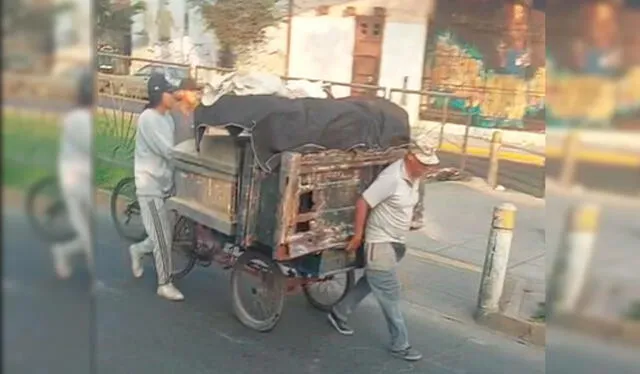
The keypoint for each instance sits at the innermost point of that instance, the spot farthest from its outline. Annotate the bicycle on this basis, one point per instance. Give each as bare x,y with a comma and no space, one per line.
52,223
123,199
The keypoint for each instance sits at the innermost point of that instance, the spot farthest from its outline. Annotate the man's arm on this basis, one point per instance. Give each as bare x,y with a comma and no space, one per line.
362,209
380,190
157,139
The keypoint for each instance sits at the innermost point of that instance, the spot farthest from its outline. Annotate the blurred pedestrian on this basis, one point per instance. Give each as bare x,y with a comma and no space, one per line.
75,177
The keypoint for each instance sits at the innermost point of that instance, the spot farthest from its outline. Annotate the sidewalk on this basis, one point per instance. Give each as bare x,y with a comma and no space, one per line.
445,260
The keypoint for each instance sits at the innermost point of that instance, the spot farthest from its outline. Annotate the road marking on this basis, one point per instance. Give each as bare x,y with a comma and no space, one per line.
523,158
442,260
599,157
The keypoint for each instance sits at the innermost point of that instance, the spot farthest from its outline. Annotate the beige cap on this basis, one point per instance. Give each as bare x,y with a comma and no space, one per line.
425,156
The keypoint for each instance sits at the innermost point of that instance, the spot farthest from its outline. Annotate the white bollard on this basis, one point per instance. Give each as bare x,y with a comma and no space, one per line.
571,266
496,259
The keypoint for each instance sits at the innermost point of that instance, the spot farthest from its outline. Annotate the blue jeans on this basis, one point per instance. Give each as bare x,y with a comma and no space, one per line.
385,286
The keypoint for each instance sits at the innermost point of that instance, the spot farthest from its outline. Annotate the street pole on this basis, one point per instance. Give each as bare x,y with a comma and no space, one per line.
571,266
496,259
494,152
571,148
465,144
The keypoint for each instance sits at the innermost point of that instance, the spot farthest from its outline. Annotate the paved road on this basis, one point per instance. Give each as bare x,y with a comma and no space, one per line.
530,179
52,327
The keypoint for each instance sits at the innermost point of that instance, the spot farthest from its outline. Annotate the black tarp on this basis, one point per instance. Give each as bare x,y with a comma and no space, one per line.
277,124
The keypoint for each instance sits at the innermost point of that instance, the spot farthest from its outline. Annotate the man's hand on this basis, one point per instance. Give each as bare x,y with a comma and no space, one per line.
354,243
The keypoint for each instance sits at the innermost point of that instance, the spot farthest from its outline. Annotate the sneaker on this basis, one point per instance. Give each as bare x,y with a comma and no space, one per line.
339,324
408,354
136,261
61,262
170,292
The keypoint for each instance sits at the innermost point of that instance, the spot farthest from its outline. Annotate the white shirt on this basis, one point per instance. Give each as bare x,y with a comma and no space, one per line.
392,198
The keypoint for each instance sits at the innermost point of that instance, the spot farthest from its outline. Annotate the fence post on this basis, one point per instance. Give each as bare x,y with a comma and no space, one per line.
494,153
571,265
496,259
571,148
465,144
445,115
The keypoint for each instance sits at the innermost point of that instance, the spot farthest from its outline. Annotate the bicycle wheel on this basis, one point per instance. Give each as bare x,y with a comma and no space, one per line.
47,212
327,292
259,304
184,241
125,211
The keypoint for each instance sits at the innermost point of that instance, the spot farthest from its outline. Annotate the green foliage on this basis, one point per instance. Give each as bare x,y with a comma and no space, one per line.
30,144
634,312
19,16
114,19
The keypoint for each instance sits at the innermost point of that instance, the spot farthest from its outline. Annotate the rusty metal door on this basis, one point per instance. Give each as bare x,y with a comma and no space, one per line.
367,53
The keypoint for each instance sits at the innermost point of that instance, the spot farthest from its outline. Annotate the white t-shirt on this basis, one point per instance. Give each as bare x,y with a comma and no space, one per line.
392,198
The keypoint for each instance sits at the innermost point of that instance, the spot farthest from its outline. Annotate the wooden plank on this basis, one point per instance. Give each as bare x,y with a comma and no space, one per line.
200,214
288,204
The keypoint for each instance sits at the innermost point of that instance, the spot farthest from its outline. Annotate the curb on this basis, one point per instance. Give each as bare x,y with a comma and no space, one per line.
619,330
522,158
608,158
528,331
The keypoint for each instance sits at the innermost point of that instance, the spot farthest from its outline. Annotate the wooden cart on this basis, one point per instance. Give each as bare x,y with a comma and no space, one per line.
282,230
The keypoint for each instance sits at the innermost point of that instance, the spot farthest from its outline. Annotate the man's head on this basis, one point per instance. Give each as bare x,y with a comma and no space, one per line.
188,95
419,161
161,92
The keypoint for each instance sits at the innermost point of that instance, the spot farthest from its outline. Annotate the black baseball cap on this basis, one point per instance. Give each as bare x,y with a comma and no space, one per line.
158,84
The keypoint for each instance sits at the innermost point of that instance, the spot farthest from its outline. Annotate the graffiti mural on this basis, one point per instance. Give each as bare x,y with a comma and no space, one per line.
491,60
595,72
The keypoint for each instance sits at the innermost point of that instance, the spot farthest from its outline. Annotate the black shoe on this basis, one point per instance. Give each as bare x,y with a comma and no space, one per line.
339,325
408,354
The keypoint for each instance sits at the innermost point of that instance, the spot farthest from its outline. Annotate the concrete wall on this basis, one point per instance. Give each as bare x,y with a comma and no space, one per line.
322,46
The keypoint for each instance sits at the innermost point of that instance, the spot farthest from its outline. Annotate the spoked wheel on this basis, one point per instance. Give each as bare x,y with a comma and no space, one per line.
47,212
125,211
257,291
183,258
327,292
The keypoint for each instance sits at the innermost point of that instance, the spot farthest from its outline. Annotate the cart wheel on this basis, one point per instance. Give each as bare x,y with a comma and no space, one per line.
184,242
125,211
326,293
257,291
47,212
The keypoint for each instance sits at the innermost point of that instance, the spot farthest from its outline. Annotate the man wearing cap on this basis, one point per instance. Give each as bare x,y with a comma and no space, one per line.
188,96
383,218
154,183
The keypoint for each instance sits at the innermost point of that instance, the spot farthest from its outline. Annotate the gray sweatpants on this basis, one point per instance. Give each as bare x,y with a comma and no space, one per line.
158,223
381,280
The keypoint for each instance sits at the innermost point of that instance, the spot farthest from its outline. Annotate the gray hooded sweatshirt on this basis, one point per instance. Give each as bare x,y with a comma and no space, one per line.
154,142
